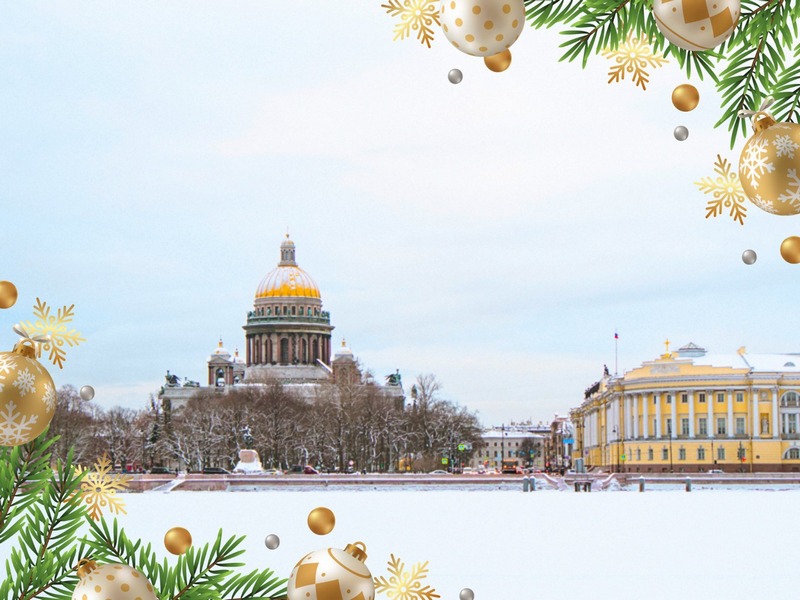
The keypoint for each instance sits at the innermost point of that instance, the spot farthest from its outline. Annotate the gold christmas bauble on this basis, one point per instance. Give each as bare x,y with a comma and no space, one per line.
696,24
790,249
111,582
321,520
27,395
685,97
769,167
499,62
482,27
332,574
178,540
8,294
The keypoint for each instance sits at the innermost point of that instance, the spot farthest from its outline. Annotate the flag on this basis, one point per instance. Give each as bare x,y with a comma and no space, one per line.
616,335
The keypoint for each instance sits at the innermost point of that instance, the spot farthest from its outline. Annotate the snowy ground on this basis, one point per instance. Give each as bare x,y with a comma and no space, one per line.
511,545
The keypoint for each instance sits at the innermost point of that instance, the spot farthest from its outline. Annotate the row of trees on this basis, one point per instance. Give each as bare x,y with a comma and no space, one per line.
340,423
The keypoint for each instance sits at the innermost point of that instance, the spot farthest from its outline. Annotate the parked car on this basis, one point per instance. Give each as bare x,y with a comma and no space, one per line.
273,472
715,471
161,471
296,469
309,470
215,471
467,471
439,472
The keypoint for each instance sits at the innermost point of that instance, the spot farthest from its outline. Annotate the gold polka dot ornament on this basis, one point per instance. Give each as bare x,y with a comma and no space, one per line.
332,574
484,28
769,167
111,582
27,392
696,24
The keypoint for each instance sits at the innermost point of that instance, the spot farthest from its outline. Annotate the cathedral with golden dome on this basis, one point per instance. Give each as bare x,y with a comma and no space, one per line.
287,340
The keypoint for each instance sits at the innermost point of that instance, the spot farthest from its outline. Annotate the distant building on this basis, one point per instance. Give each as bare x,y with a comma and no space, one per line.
691,411
522,442
287,340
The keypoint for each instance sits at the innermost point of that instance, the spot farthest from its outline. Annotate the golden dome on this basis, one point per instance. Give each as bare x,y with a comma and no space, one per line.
287,280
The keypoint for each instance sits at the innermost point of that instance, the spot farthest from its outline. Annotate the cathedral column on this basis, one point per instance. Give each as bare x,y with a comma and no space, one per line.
730,414
710,409
775,423
645,418
635,399
674,416
691,413
276,348
657,432
754,403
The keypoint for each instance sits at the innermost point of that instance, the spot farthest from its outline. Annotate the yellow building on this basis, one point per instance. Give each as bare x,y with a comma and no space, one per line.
690,411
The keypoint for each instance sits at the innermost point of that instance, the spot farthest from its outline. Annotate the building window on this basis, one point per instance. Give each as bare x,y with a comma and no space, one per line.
638,455
669,398
655,426
721,429
790,423
764,422
649,454
740,426
701,453
655,399
684,426
669,426
702,425
720,396
681,453
739,396
664,454
793,453
721,453
701,397
684,398
790,399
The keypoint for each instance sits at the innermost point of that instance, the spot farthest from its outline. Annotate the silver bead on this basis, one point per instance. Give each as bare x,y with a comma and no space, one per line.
87,392
466,594
455,76
681,133
272,541
749,257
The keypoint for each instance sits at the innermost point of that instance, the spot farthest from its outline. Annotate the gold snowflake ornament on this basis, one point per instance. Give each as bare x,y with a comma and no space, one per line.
99,488
54,326
726,191
404,585
415,15
633,56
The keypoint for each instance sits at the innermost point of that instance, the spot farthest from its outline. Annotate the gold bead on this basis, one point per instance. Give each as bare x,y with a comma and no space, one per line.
685,97
178,540
790,249
8,294
498,62
321,520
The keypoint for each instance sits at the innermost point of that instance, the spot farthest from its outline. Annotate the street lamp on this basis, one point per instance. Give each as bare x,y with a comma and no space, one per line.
616,441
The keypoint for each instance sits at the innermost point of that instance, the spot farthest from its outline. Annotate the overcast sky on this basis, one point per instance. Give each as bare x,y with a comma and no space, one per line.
494,232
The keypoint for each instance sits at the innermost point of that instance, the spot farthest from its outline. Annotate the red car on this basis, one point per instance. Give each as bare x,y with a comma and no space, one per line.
309,470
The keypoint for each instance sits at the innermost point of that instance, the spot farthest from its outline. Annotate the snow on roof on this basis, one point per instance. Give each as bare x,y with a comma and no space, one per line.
756,362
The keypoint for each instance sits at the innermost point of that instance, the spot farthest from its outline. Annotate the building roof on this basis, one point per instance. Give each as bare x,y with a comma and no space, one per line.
287,280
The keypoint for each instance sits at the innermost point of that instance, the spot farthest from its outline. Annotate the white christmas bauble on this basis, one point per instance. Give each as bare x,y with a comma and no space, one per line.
482,27
696,24
111,582
332,574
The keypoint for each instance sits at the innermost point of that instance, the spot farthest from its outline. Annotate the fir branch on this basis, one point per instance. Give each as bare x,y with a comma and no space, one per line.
599,29
786,92
24,472
546,13
258,585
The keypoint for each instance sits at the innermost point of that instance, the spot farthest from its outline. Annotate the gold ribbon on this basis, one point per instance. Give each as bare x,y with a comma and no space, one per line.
27,346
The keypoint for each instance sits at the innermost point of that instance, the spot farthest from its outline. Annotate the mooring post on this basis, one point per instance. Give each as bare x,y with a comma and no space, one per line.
577,486
641,483
525,484
688,484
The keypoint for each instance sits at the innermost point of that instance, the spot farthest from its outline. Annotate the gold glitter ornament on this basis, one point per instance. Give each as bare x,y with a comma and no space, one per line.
332,574
321,520
8,294
111,582
27,394
685,97
178,540
482,27
769,167
696,24
790,249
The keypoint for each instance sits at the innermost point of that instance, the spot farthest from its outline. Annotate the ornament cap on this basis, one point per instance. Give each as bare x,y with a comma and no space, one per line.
357,550
86,566
765,121
26,347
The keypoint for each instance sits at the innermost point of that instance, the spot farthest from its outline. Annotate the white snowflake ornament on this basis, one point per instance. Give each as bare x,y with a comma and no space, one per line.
27,395
769,166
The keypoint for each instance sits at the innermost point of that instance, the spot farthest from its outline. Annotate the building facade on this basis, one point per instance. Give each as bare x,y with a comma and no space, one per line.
691,411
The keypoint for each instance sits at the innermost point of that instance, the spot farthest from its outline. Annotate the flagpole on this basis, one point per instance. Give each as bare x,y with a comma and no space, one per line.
616,353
